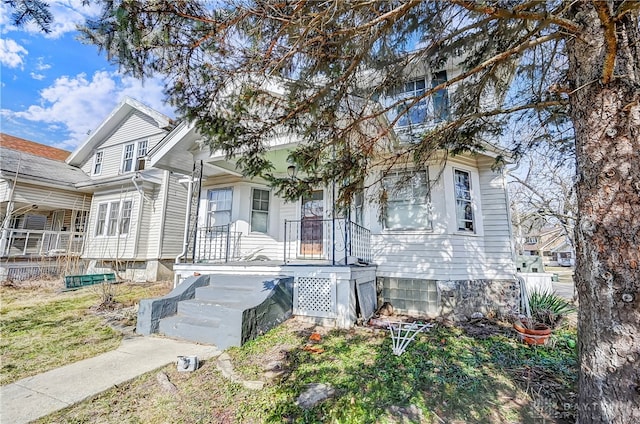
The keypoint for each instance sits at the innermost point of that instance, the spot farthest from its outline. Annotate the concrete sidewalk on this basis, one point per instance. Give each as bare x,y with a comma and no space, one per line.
34,397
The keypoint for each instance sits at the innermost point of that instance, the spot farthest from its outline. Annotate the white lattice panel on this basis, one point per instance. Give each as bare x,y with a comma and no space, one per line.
315,297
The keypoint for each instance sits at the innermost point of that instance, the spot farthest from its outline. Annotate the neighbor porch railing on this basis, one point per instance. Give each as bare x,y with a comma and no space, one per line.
19,242
217,244
333,240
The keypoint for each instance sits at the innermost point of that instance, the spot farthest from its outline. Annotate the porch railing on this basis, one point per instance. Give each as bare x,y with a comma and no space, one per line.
217,244
18,242
333,240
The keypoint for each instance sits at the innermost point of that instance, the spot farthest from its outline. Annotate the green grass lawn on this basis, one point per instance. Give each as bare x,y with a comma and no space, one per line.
42,328
477,374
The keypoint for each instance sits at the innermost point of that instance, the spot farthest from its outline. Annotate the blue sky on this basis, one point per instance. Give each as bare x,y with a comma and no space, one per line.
54,89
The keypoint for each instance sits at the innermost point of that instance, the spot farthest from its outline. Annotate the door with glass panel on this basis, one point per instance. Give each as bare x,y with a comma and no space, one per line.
311,224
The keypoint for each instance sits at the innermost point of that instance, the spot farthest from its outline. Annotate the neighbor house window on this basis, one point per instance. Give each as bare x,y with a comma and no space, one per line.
127,157
464,205
97,163
408,204
80,221
140,156
219,206
114,218
259,210
125,217
102,219
133,156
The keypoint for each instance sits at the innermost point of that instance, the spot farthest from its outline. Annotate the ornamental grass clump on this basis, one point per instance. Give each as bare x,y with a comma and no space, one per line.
548,308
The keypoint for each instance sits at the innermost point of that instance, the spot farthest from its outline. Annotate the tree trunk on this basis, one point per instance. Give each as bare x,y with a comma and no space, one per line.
606,117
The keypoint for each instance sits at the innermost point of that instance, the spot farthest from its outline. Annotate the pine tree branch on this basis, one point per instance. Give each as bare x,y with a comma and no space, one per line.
625,7
610,39
518,13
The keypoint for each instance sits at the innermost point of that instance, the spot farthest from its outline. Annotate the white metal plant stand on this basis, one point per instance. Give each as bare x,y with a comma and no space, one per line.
402,333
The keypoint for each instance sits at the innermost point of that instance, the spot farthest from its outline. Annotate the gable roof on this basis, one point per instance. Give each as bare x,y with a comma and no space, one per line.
110,123
38,169
16,143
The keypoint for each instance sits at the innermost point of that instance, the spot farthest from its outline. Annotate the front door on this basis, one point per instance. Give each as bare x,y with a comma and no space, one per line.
311,231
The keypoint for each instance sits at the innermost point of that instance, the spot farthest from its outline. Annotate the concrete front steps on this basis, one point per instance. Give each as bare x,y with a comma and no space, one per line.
224,310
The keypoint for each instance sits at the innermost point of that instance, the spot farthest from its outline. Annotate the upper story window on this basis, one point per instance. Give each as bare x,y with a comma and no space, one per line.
114,218
259,210
464,205
532,240
97,163
219,206
415,109
408,203
133,156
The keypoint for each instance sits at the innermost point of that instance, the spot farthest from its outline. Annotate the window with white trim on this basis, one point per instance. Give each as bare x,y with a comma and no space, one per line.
133,156
101,220
97,163
125,216
112,225
259,210
434,108
114,218
219,206
140,156
464,204
408,203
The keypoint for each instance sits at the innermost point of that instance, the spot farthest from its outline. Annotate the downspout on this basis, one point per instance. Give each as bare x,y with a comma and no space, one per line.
185,242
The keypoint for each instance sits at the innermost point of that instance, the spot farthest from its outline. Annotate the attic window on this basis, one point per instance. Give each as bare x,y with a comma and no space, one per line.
137,151
97,163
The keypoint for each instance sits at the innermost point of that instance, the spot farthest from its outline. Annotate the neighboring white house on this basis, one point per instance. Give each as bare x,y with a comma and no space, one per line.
136,220
42,213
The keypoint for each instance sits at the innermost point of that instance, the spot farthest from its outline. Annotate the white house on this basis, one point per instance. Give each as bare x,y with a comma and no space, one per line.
43,215
136,219
440,245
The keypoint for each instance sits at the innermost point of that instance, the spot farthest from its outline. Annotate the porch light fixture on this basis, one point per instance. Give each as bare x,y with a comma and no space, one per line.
292,171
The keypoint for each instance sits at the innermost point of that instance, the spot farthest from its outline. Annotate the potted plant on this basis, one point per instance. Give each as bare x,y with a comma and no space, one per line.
548,310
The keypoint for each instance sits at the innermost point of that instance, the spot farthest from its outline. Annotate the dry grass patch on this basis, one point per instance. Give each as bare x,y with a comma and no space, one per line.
43,327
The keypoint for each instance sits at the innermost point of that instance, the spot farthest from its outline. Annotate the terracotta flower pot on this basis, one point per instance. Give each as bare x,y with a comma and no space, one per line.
538,335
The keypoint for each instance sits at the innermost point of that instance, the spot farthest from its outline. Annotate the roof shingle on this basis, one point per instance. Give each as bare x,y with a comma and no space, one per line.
33,148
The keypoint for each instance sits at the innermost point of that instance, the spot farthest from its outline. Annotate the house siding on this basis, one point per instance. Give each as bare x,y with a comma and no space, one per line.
115,247
499,252
174,217
53,198
444,253
136,127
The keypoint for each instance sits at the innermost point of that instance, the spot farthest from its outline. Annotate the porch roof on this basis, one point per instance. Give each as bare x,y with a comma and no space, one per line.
39,170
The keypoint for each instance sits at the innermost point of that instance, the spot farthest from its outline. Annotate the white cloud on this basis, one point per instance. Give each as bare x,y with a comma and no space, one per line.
41,66
67,14
80,104
38,77
12,53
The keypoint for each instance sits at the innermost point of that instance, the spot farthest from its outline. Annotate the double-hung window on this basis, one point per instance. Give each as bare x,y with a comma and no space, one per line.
133,156
408,204
412,108
97,163
127,157
114,218
112,225
140,155
464,204
125,217
219,206
259,210
101,219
